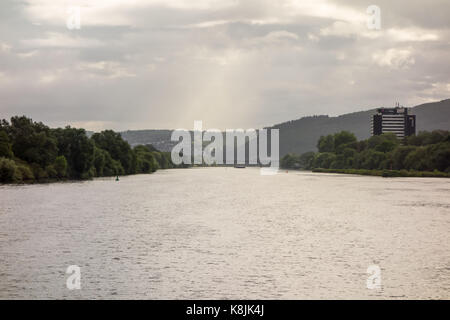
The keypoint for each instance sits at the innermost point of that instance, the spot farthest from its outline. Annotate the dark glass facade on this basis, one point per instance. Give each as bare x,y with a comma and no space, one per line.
395,120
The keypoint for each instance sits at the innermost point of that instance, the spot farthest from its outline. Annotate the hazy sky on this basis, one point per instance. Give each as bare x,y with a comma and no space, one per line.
137,64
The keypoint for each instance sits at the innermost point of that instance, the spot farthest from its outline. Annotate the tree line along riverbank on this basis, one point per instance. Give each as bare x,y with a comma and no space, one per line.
426,154
32,152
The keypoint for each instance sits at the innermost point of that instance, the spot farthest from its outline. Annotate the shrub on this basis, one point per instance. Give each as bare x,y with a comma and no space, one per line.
38,172
9,171
51,171
25,171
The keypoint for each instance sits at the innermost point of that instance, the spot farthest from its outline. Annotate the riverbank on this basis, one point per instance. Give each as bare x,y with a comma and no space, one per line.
387,173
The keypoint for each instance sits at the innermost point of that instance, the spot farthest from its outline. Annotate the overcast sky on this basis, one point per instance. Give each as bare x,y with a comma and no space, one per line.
137,64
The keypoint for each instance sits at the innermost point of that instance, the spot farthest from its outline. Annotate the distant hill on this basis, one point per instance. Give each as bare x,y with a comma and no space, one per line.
299,136
160,139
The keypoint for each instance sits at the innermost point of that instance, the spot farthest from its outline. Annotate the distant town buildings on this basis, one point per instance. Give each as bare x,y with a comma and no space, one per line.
395,120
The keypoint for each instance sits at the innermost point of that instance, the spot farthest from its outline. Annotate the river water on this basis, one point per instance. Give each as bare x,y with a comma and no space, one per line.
225,233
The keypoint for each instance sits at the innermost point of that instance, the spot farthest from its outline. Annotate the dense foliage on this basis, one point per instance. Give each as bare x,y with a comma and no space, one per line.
31,151
425,152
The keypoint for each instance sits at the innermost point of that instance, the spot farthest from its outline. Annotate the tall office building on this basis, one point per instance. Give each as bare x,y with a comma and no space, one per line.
395,120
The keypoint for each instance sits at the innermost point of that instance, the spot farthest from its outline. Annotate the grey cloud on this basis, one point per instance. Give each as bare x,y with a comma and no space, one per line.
230,67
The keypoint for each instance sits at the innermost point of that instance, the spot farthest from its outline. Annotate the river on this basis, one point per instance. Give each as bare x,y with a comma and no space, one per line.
226,233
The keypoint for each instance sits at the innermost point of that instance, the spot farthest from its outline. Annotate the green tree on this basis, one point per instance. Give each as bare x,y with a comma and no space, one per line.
78,150
146,162
399,155
371,159
105,165
417,159
338,162
326,143
429,151
306,160
290,161
99,161
118,148
60,166
5,145
383,143
32,141
439,156
324,160
426,138
343,138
